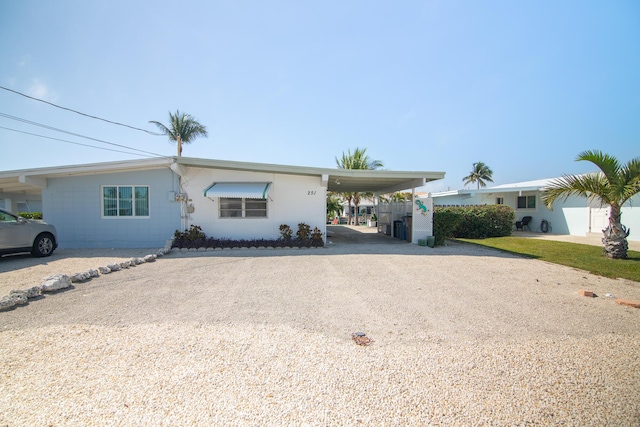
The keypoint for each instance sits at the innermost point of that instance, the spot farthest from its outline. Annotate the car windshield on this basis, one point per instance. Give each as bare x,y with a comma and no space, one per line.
7,217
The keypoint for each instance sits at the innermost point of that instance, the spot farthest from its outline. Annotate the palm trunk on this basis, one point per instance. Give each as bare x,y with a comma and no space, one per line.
357,214
179,143
615,236
356,203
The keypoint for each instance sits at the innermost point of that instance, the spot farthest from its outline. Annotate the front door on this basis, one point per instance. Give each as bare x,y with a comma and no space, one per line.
599,219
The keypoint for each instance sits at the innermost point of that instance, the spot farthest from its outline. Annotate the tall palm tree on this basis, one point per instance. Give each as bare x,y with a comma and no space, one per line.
183,128
614,185
479,175
358,160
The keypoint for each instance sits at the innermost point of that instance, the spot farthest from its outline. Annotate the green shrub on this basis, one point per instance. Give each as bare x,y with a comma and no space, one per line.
304,231
30,215
192,234
445,222
285,232
480,222
316,237
472,222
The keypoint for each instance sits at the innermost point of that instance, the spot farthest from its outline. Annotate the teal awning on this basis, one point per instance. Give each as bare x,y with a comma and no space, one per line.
247,190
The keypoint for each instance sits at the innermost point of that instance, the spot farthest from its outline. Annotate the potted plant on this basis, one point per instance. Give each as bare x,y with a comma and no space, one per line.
372,221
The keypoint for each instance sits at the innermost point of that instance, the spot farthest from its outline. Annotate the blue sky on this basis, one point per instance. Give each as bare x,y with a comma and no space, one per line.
428,86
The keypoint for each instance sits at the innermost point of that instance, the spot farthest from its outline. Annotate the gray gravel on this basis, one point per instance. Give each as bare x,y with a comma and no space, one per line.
461,336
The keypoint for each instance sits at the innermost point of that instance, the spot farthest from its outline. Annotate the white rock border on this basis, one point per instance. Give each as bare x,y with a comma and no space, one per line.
57,282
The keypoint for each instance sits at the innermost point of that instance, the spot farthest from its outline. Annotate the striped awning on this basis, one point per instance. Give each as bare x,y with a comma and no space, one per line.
247,190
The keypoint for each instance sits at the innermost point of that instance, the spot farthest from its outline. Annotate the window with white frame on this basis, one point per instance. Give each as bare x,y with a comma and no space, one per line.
236,207
526,202
125,201
499,200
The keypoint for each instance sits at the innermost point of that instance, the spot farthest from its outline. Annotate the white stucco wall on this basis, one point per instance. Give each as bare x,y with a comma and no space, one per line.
292,199
631,217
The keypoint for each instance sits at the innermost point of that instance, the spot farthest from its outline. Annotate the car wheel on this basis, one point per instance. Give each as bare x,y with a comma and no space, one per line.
43,245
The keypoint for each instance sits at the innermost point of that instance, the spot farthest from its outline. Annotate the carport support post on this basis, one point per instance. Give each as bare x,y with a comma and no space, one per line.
376,211
413,201
392,205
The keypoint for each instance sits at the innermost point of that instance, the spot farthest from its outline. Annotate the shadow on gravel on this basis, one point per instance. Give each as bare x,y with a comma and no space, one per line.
16,262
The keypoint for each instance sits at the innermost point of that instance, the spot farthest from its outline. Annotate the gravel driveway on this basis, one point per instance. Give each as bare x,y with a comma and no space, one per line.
462,335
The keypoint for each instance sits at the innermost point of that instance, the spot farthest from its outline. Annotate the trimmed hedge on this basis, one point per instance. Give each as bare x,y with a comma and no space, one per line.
445,222
472,222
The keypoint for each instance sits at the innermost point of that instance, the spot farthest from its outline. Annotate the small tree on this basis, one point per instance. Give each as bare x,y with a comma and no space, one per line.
614,185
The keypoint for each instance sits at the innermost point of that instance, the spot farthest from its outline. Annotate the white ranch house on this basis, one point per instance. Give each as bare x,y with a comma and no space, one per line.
140,203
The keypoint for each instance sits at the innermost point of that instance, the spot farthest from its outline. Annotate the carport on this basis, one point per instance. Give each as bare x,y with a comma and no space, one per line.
379,183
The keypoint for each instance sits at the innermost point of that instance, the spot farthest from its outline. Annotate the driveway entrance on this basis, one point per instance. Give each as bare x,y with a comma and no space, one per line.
350,234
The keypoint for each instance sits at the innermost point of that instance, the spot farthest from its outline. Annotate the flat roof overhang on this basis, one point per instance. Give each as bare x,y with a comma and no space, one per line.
337,180
32,181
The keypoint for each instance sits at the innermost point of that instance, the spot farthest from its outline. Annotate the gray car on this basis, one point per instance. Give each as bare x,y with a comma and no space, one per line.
22,235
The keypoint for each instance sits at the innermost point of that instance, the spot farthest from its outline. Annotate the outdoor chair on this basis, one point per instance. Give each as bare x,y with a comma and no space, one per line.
524,222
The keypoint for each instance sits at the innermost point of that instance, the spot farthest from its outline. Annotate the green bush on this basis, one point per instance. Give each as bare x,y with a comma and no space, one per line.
480,222
472,222
445,222
192,234
304,231
30,215
285,232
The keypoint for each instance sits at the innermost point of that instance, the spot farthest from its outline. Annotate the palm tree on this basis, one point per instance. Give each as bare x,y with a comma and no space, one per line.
398,196
183,128
358,160
479,175
349,198
333,205
614,185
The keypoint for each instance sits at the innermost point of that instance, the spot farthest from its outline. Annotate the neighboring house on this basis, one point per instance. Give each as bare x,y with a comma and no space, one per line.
141,203
576,216
369,206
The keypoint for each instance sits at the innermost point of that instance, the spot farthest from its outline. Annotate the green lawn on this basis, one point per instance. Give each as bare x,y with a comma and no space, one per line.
584,257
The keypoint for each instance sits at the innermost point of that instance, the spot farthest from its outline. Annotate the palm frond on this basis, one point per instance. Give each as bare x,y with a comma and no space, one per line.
182,125
357,160
593,186
165,130
480,174
608,164
629,180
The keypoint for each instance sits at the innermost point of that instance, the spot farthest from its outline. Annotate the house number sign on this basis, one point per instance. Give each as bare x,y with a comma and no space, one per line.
311,193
